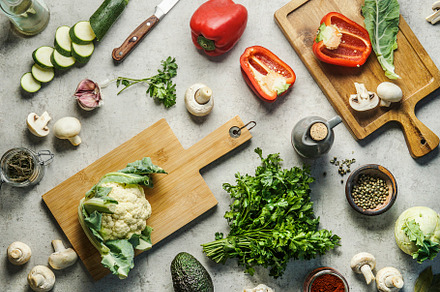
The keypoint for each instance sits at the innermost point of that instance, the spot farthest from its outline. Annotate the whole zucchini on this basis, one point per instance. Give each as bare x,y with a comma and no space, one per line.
106,15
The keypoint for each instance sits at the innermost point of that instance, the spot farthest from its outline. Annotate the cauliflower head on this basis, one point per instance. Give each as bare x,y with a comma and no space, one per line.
129,215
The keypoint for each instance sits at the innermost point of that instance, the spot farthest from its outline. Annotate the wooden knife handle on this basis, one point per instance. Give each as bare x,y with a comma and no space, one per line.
134,38
419,138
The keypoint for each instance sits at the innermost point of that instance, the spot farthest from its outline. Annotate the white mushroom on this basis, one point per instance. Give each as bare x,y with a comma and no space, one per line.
388,92
198,100
37,125
68,128
389,279
364,263
260,288
363,100
435,17
41,278
19,253
62,257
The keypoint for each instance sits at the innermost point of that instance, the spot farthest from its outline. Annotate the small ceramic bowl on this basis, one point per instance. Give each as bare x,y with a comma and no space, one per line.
321,274
375,171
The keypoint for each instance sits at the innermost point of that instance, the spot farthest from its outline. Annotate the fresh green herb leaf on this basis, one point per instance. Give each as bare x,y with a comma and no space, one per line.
160,86
382,23
427,248
271,219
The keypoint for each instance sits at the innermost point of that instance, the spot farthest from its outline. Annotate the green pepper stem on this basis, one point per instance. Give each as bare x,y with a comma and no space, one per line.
206,44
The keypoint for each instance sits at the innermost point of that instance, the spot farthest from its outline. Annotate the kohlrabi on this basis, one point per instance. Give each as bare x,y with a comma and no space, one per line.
417,233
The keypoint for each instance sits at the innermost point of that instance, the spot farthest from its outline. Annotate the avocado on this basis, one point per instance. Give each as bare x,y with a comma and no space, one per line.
189,275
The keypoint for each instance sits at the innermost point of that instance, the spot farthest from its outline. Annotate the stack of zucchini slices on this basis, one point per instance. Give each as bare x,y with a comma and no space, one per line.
71,45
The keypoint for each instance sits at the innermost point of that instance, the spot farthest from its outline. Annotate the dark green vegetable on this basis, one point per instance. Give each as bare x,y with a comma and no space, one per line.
427,282
189,275
160,86
271,219
427,249
106,15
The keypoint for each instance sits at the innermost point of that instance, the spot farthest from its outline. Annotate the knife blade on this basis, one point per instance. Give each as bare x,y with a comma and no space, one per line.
142,30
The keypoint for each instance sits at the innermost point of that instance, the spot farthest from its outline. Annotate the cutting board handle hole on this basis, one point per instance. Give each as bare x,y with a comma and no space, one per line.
235,131
423,141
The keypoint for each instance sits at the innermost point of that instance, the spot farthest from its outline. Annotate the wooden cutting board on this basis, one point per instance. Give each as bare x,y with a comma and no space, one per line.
299,21
176,199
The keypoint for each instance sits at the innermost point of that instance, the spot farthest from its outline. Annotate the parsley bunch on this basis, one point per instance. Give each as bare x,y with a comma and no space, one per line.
160,86
271,219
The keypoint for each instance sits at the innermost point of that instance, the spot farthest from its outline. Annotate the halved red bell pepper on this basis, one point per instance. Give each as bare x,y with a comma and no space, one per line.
266,74
217,25
341,41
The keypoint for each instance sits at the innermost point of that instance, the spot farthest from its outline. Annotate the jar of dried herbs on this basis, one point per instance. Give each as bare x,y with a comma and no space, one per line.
21,167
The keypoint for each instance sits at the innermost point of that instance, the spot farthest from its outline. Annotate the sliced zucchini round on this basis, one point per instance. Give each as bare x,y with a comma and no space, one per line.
61,62
82,53
82,33
42,55
42,75
29,84
63,43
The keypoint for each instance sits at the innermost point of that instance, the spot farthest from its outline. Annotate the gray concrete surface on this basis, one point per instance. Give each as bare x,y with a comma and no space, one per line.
24,216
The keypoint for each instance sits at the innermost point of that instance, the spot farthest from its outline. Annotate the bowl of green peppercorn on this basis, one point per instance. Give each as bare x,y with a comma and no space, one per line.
371,189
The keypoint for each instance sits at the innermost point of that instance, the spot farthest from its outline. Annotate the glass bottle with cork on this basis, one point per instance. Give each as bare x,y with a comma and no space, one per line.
28,16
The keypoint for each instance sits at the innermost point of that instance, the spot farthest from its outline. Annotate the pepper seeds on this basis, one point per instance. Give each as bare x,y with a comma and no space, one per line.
369,191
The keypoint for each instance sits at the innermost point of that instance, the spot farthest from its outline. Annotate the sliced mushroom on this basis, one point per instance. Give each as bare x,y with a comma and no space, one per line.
363,100
389,92
198,100
435,17
62,257
19,253
37,125
389,279
68,128
41,279
364,263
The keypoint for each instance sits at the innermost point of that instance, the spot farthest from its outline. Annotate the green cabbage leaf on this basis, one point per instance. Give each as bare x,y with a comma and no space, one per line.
381,18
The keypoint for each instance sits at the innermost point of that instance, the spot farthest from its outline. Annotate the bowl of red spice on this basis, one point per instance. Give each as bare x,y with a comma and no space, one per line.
371,189
325,279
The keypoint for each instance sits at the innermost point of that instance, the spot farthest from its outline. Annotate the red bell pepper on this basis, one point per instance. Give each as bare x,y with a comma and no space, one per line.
266,74
217,25
341,41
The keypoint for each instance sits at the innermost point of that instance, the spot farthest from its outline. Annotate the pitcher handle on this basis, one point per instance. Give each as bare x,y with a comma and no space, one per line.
334,121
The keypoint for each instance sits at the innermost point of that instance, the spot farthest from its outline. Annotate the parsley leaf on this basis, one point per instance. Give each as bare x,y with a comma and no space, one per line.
271,219
160,86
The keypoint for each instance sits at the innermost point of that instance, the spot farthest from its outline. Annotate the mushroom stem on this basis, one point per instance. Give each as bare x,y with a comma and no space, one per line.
203,95
394,282
75,140
15,254
38,280
368,274
434,18
58,245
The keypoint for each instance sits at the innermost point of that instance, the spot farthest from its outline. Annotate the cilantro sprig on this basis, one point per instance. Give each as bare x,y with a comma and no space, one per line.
271,219
428,249
160,86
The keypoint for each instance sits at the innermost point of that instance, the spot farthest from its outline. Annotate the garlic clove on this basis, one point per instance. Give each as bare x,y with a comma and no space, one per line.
88,95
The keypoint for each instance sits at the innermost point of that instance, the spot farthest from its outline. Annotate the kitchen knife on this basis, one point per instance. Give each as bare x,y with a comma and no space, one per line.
142,30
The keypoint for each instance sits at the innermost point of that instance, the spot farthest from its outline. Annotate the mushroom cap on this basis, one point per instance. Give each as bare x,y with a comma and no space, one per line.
389,91
19,253
362,259
395,278
191,103
66,127
41,278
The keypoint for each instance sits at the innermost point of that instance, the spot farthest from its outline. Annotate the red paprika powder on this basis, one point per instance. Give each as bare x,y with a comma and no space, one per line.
328,283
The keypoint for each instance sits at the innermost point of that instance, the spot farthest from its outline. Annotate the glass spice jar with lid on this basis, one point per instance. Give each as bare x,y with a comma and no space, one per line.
21,167
325,279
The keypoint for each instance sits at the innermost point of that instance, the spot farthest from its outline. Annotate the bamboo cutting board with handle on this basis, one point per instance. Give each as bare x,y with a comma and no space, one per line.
176,199
299,21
